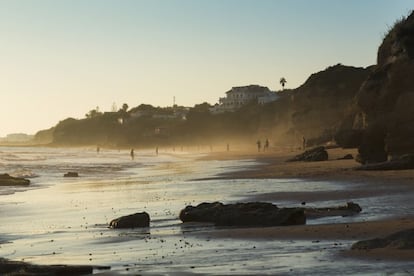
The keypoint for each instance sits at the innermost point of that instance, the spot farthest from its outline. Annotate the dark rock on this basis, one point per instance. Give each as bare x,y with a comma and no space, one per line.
131,221
400,240
349,209
405,162
8,267
349,138
243,214
372,148
7,180
315,154
346,157
71,174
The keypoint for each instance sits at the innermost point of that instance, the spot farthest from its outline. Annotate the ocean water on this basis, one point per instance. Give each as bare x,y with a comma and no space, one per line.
59,220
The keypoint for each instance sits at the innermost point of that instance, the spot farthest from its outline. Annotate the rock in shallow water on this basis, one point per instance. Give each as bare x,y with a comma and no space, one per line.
243,214
349,209
8,267
131,221
315,154
7,180
71,174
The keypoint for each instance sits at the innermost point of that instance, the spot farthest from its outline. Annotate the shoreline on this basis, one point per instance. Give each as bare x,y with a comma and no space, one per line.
272,165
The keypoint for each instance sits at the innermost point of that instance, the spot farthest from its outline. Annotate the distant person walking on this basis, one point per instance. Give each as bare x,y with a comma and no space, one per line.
303,143
259,145
228,147
132,154
98,149
266,145
156,150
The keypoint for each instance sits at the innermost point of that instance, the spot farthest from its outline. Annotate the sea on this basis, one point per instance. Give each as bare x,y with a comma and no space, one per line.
61,220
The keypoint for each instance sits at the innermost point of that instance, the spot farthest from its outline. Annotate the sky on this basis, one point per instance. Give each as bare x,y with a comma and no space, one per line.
62,58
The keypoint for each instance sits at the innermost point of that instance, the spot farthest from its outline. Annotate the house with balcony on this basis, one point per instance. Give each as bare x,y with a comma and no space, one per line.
241,95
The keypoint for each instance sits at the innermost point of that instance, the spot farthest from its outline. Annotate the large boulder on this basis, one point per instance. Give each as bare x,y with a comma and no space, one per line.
243,214
131,221
315,154
7,180
401,240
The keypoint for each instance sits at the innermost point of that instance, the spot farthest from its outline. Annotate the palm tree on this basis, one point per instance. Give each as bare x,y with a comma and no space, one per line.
283,81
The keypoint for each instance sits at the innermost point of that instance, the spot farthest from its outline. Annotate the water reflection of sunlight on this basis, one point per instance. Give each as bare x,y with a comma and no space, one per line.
67,220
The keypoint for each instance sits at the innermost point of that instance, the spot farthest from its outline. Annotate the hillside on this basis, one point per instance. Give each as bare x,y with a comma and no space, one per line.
369,108
322,102
314,110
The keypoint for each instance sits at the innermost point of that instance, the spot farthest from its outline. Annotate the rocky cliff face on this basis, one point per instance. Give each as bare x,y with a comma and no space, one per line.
386,98
322,102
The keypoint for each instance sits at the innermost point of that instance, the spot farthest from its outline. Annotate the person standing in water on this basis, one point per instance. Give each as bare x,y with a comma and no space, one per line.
266,145
132,154
259,145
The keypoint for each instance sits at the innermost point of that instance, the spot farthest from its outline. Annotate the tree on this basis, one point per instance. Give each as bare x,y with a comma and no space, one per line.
93,113
283,81
125,107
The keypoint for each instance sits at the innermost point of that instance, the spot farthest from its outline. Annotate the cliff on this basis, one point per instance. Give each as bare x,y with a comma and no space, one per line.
322,102
385,99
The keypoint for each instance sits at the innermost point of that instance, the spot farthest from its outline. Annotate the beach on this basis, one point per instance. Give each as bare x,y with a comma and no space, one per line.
273,164
58,220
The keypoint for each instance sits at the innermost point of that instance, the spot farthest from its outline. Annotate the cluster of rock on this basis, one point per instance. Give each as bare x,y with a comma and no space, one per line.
242,214
7,180
314,154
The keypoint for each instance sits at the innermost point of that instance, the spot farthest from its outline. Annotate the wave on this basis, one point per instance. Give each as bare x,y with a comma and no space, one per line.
24,173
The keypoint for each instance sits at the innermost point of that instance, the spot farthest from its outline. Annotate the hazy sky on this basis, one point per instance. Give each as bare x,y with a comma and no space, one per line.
62,58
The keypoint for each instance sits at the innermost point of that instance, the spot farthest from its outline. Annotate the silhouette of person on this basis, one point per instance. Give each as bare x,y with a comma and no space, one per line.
228,147
259,145
303,142
132,154
156,150
266,145
98,149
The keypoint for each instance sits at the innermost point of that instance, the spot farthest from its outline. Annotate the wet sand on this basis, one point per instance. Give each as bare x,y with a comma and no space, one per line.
372,183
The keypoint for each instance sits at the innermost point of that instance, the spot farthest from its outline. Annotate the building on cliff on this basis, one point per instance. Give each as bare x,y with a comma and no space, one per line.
240,96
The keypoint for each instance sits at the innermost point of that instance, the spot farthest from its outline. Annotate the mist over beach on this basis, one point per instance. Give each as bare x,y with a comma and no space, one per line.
207,137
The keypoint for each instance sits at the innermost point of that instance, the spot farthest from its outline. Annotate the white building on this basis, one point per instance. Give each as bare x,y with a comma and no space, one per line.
240,96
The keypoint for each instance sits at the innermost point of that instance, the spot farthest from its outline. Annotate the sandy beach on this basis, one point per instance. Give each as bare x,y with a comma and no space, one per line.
112,185
371,183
